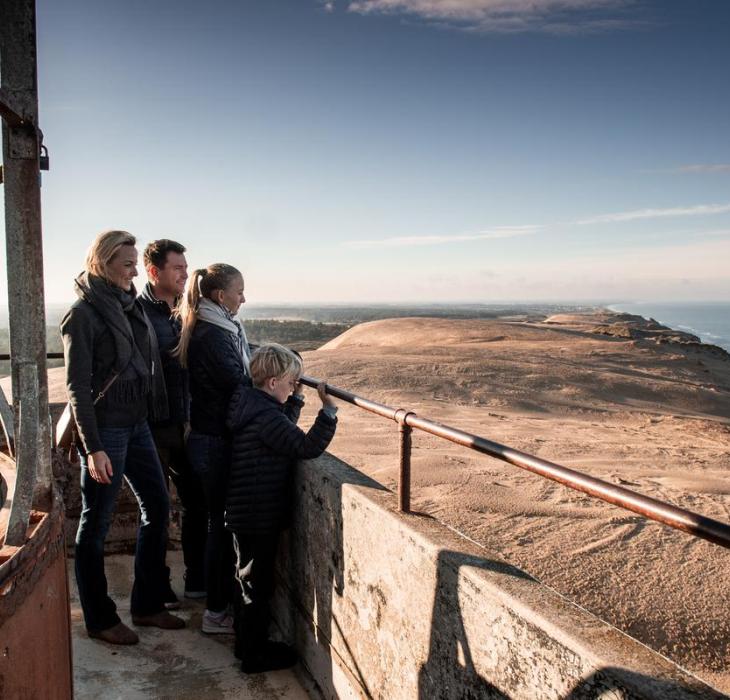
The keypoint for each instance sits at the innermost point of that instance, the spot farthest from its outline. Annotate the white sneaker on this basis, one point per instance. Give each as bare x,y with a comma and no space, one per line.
217,623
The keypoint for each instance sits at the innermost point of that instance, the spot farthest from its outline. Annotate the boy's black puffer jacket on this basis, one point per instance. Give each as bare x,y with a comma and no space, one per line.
266,446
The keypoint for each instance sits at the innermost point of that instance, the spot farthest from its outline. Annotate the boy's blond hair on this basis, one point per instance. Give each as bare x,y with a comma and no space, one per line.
273,360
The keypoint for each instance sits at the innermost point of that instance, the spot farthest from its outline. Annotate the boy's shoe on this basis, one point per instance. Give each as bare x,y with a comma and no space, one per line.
118,634
217,623
164,620
273,657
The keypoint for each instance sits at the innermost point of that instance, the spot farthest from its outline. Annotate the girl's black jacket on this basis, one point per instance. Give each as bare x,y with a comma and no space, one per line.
266,446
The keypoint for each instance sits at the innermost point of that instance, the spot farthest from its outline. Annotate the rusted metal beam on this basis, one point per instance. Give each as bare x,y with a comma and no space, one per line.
8,111
7,418
687,521
26,457
23,239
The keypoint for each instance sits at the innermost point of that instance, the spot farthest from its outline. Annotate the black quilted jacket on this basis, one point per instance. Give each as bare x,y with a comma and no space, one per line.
266,446
215,369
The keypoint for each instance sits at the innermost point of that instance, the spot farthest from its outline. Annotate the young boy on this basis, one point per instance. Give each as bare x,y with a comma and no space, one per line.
266,444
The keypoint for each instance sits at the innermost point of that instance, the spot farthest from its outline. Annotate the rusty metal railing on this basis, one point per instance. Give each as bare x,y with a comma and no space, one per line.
693,523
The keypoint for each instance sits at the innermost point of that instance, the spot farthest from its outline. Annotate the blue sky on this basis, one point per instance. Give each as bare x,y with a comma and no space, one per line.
396,150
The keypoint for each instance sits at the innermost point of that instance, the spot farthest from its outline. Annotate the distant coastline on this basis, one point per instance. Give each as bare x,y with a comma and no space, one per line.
710,321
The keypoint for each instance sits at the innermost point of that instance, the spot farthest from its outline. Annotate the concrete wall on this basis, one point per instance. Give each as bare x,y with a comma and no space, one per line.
386,605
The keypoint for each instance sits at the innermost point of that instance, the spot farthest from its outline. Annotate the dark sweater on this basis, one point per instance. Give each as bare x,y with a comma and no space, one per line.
215,369
266,446
167,329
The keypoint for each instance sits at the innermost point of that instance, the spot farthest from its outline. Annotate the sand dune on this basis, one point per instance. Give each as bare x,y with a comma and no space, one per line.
613,396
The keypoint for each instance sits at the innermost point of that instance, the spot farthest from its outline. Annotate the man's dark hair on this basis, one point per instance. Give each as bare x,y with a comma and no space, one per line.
156,252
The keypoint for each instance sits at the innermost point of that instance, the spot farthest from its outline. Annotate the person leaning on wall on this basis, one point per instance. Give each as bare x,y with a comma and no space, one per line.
214,349
114,383
167,272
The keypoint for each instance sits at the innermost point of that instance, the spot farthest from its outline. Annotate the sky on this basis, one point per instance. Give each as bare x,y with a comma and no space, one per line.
396,150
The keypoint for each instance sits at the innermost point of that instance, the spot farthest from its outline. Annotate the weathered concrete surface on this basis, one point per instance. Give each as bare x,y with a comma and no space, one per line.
386,605
35,657
178,664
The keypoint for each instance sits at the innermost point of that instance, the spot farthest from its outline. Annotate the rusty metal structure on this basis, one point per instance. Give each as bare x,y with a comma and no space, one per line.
22,146
35,620
679,518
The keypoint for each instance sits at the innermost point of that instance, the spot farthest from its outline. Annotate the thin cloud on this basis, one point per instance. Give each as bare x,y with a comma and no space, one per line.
700,168
508,16
699,210
410,241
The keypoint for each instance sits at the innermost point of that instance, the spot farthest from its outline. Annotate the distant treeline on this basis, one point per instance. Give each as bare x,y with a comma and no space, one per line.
299,335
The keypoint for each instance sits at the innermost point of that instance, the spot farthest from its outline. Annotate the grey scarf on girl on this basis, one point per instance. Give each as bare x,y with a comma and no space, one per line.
219,315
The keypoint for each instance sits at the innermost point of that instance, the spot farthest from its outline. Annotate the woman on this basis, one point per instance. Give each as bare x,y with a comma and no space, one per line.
214,349
114,382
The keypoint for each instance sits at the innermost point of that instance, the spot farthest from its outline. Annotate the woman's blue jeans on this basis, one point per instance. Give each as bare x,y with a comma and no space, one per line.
210,458
133,456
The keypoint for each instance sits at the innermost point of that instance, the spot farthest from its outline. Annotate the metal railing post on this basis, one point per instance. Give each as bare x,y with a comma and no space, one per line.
405,433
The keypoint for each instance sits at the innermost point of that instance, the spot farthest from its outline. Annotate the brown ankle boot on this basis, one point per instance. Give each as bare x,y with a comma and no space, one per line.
163,619
119,634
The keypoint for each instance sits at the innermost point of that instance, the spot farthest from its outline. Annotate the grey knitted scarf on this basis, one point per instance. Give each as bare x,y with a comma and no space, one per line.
137,356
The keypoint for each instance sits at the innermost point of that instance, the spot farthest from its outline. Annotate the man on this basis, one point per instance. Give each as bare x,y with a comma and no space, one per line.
166,267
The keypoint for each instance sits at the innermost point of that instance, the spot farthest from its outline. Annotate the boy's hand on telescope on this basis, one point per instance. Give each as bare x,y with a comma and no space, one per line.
324,397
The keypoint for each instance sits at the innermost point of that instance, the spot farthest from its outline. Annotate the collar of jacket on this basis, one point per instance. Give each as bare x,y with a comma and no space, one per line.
149,295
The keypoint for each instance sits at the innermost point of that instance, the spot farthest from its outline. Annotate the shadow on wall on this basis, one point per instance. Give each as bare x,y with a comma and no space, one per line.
317,576
449,671
611,683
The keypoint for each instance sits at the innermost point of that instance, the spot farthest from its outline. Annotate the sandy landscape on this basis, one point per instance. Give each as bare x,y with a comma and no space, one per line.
611,395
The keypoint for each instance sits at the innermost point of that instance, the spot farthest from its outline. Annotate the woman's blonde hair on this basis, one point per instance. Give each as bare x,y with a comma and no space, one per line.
104,248
273,360
202,283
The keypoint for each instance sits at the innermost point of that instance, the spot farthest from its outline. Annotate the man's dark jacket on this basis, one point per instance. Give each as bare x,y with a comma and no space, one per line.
266,446
167,329
215,369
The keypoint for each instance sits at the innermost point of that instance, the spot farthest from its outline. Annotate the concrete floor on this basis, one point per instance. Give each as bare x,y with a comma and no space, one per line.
165,664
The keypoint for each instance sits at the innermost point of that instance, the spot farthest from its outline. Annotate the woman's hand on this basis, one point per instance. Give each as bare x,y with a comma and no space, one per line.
100,467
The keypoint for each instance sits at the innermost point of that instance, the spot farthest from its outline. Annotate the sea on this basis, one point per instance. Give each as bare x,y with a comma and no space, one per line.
708,320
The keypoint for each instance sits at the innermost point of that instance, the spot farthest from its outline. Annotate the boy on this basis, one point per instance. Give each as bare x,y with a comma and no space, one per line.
266,444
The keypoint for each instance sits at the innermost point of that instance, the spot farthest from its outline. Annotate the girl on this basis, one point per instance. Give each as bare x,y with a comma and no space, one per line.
214,348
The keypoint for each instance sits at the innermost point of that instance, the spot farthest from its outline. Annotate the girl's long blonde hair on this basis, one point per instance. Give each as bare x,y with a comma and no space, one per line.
202,283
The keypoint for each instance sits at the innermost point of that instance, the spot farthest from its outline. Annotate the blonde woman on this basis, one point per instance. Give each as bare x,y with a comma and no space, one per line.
214,349
114,382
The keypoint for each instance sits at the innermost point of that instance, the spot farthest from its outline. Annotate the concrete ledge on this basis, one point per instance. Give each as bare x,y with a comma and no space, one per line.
388,605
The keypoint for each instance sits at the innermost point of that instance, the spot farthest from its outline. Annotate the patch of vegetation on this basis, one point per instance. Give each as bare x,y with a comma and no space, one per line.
298,335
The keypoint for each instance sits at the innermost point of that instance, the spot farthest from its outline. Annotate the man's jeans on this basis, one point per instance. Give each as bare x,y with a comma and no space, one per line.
170,443
210,457
133,456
